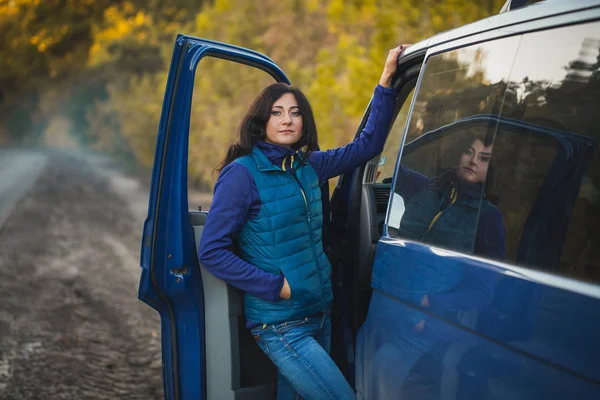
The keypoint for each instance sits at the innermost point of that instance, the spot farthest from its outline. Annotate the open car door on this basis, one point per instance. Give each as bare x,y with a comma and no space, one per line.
200,315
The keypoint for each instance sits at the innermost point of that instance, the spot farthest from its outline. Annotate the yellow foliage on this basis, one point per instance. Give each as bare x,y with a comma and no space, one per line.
222,6
333,49
336,9
121,22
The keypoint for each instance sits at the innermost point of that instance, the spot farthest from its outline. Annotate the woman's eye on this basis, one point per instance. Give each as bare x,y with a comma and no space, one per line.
276,113
295,113
484,159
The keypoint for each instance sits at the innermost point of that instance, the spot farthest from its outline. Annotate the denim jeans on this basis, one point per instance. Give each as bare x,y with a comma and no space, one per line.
300,350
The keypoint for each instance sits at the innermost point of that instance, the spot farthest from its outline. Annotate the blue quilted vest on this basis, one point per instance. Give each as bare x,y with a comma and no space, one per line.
285,238
454,228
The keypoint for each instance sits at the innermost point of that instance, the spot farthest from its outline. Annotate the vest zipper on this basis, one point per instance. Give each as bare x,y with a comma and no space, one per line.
453,196
297,181
308,223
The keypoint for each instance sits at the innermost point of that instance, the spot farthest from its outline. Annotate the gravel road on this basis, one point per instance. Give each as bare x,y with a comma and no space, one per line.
71,326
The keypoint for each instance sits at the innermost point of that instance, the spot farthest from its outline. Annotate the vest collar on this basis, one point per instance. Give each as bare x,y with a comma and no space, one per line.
469,194
269,156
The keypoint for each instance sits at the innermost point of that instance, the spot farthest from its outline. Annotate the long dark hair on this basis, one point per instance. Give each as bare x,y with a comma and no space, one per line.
253,126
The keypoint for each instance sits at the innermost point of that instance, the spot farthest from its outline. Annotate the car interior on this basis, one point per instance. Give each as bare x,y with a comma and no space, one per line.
238,368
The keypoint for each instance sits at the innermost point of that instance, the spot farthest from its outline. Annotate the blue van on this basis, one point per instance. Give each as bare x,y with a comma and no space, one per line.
495,297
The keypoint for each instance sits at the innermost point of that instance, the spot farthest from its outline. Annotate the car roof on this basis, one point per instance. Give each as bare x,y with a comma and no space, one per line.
536,11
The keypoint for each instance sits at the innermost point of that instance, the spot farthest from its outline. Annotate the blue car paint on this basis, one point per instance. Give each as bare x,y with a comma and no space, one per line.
548,339
150,288
171,282
526,335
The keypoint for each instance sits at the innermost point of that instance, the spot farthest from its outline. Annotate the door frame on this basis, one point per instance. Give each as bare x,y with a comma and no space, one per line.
171,282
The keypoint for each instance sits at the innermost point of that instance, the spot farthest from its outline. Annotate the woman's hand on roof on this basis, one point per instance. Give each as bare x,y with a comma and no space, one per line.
391,65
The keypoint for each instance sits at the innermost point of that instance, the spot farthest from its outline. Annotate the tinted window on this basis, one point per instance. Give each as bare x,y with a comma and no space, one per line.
452,126
555,84
387,160
532,101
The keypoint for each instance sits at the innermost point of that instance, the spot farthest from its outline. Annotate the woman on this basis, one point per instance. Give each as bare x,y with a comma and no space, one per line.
267,202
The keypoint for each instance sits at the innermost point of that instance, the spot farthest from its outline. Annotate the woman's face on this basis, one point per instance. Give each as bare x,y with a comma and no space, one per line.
284,127
474,162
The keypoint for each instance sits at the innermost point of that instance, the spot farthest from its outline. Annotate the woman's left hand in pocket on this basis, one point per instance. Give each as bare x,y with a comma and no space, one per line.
286,291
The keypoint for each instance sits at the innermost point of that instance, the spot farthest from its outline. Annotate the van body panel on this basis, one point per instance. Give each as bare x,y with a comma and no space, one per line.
490,329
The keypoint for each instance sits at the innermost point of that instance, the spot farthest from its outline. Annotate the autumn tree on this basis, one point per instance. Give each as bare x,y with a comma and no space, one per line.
113,57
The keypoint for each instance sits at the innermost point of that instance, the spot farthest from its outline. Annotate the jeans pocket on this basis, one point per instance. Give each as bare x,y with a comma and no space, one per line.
257,334
285,326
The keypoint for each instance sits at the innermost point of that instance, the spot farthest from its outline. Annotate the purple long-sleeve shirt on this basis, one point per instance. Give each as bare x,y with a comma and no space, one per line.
236,198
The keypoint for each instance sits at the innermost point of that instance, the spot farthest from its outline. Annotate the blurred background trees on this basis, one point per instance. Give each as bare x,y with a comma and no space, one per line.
91,73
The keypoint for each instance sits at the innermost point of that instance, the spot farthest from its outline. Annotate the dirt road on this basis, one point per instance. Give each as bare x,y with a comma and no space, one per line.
71,326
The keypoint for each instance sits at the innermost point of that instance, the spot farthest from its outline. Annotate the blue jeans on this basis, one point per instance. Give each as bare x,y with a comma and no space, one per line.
300,350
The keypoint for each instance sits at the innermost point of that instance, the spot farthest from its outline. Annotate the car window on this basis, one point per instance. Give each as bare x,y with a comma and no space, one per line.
530,101
555,84
387,160
454,119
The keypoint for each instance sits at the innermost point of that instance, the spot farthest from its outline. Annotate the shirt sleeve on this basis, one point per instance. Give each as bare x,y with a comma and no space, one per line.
334,162
410,183
232,201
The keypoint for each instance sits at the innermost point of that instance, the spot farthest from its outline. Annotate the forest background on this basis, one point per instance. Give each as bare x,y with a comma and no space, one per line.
91,74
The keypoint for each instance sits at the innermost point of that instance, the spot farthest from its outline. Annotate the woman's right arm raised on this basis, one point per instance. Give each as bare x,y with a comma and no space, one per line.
230,208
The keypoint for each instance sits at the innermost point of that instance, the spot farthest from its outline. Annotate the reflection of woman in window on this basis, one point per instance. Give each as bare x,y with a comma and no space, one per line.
451,210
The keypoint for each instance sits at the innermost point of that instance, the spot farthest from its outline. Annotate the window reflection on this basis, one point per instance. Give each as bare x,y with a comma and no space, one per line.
450,208
462,83
555,83
539,114
441,192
